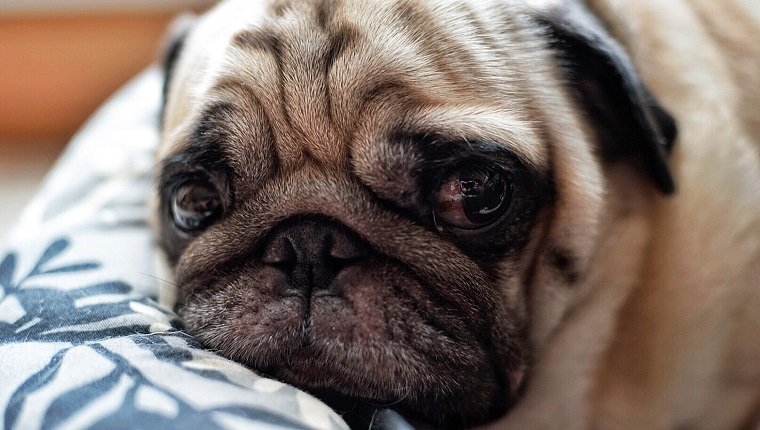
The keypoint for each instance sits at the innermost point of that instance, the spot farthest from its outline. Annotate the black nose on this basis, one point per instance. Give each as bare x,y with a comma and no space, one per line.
311,252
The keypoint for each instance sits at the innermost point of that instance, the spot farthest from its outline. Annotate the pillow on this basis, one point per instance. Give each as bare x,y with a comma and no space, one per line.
83,343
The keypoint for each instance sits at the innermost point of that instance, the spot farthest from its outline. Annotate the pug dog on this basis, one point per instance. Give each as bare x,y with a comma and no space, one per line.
459,209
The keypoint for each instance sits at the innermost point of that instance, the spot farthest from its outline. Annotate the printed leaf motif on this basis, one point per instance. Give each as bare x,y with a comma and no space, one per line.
55,249
60,409
7,267
72,268
34,383
109,320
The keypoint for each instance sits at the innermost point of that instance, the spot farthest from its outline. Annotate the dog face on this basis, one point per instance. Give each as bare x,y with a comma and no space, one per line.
372,200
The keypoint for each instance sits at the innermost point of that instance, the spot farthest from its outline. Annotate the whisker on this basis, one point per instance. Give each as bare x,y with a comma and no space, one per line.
159,279
372,420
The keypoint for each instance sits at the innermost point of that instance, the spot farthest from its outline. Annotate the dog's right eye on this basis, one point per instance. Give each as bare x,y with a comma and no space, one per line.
472,198
196,205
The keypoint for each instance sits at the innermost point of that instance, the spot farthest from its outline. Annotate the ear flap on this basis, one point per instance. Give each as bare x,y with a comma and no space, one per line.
630,122
173,44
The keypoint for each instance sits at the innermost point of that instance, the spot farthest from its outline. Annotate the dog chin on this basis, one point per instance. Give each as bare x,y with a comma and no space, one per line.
368,347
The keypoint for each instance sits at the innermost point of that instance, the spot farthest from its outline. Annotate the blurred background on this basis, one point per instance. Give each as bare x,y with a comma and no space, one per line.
59,60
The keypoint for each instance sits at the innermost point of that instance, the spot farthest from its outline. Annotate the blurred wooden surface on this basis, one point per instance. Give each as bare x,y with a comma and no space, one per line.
56,70
59,60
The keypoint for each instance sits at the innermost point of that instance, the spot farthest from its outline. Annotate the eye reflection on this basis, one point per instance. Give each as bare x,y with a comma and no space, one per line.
195,206
472,198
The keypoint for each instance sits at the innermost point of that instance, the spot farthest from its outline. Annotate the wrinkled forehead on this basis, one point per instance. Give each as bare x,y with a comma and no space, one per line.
318,71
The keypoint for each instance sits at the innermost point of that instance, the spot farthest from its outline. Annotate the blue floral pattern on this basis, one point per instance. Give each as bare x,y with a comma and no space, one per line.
87,318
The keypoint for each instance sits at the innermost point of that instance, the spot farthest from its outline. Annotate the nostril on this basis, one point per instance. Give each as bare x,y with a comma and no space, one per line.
280,252
310,253
346,248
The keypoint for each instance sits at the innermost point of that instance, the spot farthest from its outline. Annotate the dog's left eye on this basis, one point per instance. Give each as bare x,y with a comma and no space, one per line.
472,198
195,206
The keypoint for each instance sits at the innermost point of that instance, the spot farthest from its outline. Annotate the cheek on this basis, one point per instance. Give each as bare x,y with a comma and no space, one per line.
238,315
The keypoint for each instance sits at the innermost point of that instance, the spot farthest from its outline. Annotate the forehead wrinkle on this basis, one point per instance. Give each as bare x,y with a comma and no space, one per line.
255,62
446,50
341,39
391,54
263,40
311,55
482,122
380,52
302,57
249,138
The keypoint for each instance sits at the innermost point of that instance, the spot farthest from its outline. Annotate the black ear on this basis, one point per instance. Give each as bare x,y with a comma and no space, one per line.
630,122
173,44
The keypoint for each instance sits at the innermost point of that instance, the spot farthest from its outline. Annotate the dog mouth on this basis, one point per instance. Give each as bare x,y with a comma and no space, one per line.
381,343
316,307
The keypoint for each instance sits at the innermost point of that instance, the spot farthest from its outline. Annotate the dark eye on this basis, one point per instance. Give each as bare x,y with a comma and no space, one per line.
471,198
195,205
